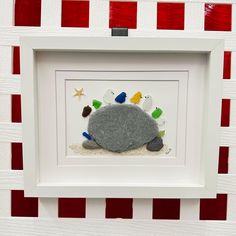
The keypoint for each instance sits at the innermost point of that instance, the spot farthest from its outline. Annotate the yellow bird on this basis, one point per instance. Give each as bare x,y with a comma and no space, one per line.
136,98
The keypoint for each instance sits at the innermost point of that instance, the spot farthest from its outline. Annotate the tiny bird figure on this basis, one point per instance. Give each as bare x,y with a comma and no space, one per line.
147,104
87,135
121,97
157,113
136,98
109,96
79,92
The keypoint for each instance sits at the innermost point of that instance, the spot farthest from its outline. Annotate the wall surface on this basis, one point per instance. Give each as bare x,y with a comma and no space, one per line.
41,216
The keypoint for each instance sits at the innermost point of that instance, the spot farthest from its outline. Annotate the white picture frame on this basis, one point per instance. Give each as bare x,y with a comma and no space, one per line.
44,176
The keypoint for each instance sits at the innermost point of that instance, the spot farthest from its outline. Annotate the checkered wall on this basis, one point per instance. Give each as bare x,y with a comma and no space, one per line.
169,16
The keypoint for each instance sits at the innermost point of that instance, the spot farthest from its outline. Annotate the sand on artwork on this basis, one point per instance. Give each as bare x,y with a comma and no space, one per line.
142,151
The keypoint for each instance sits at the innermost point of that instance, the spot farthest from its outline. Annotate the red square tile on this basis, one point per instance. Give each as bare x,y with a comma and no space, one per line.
218,17
23,206
75,13
166,209
17,157
123,14
71,207
16,99
119,208
16,60
16,108
223,160
225,113
170,16
214,209
227,65
27,12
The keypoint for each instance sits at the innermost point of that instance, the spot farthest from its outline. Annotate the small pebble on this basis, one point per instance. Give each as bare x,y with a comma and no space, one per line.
156,113
90,144
86,111
96,104
87,136
155,145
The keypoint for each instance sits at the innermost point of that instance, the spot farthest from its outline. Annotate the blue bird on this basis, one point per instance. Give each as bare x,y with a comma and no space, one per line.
87,136
121,97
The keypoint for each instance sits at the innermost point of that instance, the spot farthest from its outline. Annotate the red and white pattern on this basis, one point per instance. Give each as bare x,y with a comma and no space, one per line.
218,18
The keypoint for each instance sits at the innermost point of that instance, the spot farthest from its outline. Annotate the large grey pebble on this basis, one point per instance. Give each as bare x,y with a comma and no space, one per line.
122,127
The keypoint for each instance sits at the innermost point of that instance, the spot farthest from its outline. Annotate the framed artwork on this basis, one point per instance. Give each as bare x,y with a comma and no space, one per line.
121,117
